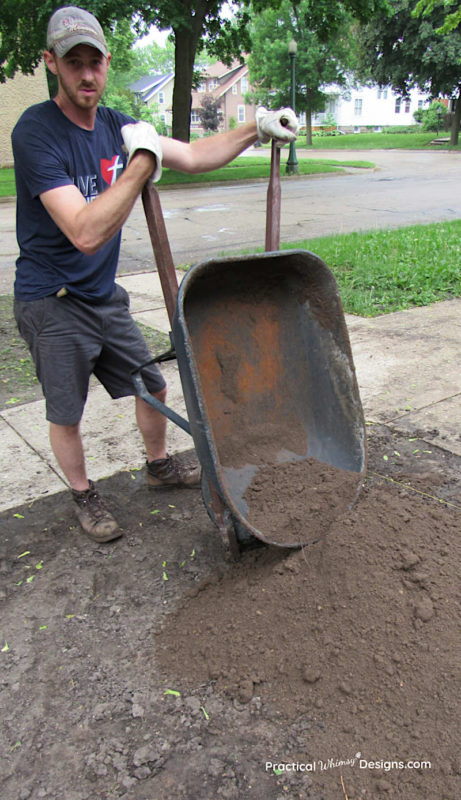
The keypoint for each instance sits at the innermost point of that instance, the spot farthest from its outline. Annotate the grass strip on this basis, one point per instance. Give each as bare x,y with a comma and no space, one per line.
393,269
243,168
379,141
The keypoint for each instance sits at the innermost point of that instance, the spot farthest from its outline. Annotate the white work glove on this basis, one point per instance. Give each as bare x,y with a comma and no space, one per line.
143,136
280,125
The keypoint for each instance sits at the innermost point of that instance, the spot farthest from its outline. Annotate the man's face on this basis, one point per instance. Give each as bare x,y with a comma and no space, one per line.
82,74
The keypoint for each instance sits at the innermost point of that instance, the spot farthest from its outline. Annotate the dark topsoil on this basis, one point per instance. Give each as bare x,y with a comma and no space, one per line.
308,657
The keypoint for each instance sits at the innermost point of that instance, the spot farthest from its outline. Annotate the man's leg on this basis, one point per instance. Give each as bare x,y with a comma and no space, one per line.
93,516
67,447
152,425
162,469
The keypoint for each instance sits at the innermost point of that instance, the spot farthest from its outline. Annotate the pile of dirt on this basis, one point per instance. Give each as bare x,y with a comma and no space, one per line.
297,502
154,668
360,630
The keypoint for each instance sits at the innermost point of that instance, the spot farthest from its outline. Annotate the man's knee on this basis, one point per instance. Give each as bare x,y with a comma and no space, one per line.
161,395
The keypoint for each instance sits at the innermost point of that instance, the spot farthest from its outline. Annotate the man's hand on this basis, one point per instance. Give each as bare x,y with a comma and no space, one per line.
142,136
280,125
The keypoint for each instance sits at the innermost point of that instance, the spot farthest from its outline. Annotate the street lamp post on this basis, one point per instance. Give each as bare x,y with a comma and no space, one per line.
292,163
439,117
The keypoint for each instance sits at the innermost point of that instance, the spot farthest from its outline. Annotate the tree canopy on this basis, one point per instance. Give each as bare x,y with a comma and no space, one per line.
324,55
403,51
23,31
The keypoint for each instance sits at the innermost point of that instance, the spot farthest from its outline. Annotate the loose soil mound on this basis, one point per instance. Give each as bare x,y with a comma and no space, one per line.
302,658
298,501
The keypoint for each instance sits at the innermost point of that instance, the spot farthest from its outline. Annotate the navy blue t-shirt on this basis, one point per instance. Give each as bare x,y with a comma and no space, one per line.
51,151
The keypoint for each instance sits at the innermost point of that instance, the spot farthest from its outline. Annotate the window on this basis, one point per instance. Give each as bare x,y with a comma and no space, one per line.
244,85
420,103
212,84
407,106
194,117
201,87
161,98
398,102
358,103
241,113
382,94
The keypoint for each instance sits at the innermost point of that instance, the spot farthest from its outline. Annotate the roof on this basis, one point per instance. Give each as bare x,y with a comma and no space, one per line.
149,85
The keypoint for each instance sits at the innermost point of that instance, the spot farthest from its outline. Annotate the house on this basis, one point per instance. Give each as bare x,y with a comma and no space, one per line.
17,94
156,91
229,86
359,108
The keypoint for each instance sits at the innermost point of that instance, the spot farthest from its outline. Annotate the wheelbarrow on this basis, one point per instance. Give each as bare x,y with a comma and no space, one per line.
269,384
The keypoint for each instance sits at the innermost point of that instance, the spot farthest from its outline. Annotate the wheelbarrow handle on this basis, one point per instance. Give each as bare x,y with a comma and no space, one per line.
161,247
273,202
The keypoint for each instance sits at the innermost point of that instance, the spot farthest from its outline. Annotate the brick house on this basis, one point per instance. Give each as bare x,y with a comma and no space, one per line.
17,94
229,85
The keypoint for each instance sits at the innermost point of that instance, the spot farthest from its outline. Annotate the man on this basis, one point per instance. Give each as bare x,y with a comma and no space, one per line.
79,170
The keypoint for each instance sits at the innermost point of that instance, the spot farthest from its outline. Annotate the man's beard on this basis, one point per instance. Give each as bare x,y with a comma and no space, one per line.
82,101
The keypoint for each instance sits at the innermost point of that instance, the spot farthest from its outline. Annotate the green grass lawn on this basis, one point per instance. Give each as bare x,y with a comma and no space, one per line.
255,167
378,141
390,270
242,168
7,182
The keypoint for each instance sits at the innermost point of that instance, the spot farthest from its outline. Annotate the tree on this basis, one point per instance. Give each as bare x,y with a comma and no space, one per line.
404,51
23,31
209,113
452,13
325,53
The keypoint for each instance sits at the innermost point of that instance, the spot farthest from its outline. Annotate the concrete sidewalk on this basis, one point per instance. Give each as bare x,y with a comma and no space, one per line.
408,367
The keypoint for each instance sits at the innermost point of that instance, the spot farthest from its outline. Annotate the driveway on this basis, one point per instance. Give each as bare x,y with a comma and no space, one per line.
406,187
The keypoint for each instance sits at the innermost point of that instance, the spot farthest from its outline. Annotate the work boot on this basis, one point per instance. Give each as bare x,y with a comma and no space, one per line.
97,522
170,471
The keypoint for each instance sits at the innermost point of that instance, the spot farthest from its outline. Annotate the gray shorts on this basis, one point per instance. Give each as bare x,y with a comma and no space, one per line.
70,339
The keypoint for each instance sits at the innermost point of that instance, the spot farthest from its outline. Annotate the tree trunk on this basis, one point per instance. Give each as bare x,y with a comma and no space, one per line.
186,38
454,135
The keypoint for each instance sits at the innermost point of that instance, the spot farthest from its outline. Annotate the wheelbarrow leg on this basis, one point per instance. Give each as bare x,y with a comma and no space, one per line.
226,529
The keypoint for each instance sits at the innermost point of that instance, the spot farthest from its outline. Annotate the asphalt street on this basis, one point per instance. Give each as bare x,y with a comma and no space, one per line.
406,187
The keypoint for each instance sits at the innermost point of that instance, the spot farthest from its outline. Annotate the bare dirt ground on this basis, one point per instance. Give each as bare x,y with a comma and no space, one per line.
152,668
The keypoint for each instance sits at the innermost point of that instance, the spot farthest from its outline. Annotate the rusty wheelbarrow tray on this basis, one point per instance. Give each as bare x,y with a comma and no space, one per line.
269,385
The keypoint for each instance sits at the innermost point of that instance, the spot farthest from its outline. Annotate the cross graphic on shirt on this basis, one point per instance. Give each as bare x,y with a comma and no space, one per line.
116,167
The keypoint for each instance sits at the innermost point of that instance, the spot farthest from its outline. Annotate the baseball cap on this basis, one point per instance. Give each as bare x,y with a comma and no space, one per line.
70,26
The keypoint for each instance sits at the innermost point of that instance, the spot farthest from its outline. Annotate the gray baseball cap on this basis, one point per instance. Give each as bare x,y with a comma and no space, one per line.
70,26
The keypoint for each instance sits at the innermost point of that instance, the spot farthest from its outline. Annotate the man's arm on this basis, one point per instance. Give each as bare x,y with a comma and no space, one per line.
208,153
89,226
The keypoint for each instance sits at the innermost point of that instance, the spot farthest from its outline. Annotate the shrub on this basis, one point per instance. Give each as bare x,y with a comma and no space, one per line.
431,119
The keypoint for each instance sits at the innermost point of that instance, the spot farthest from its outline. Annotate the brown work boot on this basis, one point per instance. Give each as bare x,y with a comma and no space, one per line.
97,522
170,471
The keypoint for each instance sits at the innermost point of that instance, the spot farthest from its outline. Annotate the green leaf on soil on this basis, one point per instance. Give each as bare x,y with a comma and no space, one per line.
43,627
39,565
25,553
173,692
19,516
205,714
155,511
5,647
30,578
386,458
